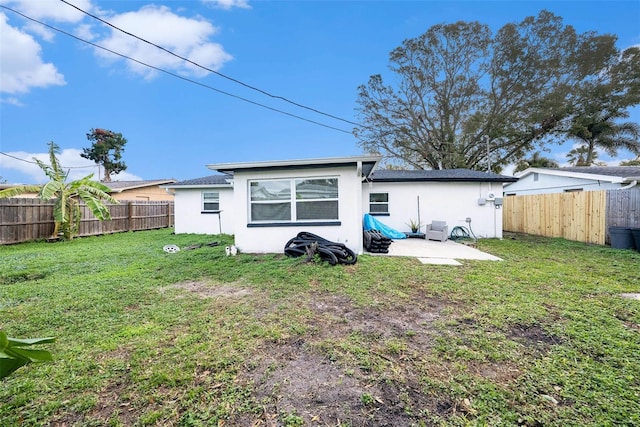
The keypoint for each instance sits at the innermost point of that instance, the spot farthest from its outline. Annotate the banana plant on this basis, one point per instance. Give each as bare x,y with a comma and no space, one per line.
14,355
67,195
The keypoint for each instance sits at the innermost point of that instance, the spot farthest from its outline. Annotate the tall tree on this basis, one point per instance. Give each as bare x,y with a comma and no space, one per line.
578,156
67,195
633,162
106,151
604,103
459,85
601,131
536,160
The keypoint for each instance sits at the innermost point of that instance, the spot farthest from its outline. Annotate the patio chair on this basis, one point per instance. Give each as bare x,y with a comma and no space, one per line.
437,230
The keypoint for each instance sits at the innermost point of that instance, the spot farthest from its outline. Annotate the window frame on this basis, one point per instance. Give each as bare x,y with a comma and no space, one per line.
293,201
371,203
204,202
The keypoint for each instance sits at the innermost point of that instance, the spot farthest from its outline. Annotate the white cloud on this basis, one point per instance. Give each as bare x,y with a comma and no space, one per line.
508,170
39,30
85,32
12,101
187,37
50,9
69,158
22,64
228,4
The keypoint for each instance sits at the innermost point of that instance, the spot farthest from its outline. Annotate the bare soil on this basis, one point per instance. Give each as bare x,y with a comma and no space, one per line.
206,290
312,379
300,377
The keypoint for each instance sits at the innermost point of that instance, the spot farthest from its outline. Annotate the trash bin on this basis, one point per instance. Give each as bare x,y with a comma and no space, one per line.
635,232
621,238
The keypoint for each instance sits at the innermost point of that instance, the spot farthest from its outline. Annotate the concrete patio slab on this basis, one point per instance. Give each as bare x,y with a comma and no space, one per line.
433,251
439,261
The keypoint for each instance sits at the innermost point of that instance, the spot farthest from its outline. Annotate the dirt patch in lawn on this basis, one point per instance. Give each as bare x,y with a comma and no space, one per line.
299,378
293,379
210,290
533,336
412,322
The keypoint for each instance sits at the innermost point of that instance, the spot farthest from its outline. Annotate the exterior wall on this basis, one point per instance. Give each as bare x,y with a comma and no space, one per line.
452,202
154,193
555,184
190,219
26,196
272,239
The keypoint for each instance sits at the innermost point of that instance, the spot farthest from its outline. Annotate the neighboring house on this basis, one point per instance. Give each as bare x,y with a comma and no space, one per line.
264,204
148,190
21,196
579,178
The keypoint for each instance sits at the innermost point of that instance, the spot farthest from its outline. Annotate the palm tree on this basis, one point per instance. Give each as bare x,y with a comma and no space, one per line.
578,156
536,160
600,130
633,162
67,195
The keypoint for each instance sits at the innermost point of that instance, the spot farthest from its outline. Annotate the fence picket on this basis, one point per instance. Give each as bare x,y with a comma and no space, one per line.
23,219
582,216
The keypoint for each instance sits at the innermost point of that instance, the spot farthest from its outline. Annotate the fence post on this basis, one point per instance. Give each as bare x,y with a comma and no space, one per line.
129,216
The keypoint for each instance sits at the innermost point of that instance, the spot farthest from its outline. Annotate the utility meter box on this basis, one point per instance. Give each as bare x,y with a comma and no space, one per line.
498,201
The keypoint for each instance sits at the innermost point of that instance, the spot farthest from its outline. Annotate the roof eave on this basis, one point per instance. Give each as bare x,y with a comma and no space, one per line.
134,187
172,186
294,164
444,180
571,174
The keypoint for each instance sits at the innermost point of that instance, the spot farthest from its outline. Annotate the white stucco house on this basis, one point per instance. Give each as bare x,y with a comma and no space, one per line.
264,204
568,179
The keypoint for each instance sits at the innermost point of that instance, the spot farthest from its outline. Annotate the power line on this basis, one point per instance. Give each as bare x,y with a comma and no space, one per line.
209,69
174,74
35,163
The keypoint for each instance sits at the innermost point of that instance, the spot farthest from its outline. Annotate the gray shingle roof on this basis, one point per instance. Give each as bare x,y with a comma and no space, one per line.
125,185
218,179
438,175
619,171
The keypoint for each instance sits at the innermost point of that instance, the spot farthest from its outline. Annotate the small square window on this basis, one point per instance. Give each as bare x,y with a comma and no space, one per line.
210,201
379,203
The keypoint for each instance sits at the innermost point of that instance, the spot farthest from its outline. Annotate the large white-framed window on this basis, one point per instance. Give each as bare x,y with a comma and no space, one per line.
379,203
210,201
293,200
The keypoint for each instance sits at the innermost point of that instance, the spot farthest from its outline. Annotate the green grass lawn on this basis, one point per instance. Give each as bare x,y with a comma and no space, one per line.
198,338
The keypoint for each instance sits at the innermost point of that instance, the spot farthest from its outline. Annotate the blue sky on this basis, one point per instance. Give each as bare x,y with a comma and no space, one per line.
316,53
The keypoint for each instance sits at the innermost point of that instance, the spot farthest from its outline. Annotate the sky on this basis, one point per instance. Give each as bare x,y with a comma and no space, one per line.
54,87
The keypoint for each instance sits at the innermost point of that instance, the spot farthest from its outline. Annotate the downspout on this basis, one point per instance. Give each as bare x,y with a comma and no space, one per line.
631,185
359,239
495,215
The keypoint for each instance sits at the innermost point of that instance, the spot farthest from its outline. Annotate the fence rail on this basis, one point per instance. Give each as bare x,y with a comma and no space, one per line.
583,216
23,220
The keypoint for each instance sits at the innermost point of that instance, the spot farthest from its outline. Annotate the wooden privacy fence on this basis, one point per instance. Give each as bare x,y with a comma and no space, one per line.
23,220
583,216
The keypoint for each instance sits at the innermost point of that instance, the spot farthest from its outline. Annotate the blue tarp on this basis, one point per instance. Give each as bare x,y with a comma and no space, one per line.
370,223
